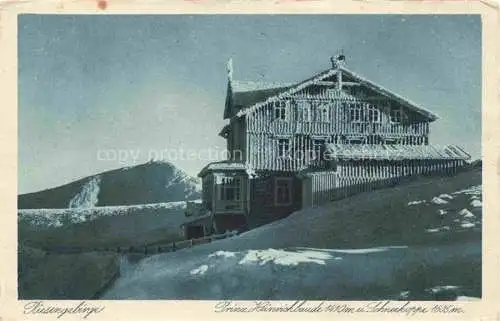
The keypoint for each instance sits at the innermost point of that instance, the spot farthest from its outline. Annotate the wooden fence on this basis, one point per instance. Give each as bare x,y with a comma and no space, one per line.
322,187
152,248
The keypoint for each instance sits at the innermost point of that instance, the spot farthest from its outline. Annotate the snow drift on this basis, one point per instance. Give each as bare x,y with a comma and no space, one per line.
325,253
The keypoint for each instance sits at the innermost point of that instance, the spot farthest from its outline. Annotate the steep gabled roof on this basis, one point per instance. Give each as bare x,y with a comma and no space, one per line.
278,93
242,94
288,91
389,94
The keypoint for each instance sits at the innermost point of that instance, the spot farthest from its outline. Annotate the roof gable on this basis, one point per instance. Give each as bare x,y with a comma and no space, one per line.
288,91
271,95
241,94
391,95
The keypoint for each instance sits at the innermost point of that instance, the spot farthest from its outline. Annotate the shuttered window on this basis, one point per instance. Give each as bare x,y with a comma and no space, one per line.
283,147
355,113
322,113
280,110
304,112
373,114
396,116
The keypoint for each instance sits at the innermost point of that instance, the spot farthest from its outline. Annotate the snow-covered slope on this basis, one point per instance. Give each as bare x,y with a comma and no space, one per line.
153,182
287,274
108,226
371,246
88,196
47,217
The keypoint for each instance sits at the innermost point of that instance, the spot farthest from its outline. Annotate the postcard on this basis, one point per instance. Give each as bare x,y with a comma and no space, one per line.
256,159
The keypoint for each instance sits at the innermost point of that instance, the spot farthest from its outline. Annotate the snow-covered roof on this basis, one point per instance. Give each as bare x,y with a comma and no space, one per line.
385,92
394,152
244,86
282,92
254,99
222,166
243,94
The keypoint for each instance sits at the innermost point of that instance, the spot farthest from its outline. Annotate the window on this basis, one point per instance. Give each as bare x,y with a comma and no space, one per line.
396,116
283,191
283,147
230,189
373,114
322,113
305,112
280,110
355,112
318,145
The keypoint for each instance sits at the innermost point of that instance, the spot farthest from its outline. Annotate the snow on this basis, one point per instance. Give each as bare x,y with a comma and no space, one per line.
473,190
476,203
448,196
201,270
286,258
57,217
438,201
283,257
442,212
416,202
177,177
404,294
225,254
273,273
467,298
467,225
88,196
466,213
366,250
440,288
438,229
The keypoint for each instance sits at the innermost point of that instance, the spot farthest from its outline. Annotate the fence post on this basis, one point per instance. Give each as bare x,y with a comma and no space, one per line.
173,246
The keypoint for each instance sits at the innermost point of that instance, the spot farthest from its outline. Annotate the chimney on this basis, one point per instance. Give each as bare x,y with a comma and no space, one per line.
338,60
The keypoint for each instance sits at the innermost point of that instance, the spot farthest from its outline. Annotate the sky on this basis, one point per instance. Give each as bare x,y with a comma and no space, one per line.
99,92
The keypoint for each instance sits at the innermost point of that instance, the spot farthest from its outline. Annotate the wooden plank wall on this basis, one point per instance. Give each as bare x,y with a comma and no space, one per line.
327,186
264,131
207,191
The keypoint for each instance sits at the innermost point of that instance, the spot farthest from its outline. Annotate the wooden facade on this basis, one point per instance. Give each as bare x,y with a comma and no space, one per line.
279,136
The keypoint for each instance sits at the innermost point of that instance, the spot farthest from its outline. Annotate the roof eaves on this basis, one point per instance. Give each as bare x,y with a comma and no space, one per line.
433,116
219,166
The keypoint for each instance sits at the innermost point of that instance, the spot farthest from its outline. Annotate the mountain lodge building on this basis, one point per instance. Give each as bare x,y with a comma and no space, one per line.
298,145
